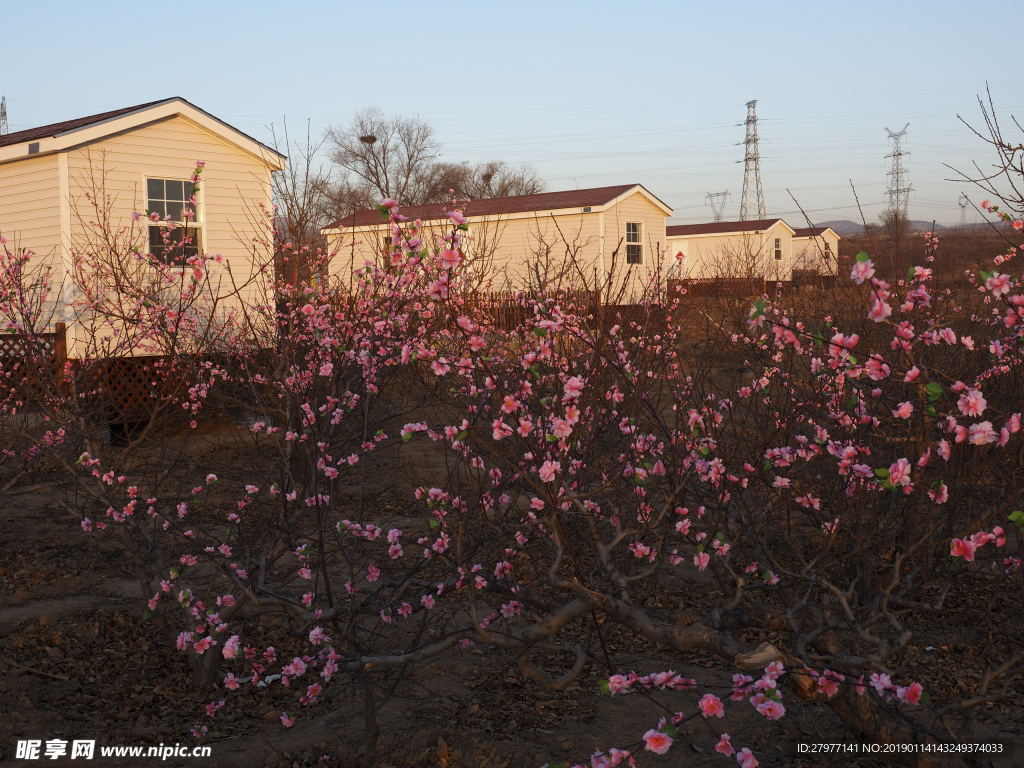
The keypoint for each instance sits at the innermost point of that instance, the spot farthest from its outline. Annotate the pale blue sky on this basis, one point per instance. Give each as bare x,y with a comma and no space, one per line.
592,93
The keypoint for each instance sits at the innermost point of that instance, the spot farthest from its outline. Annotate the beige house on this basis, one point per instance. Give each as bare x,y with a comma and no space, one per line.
142,157
513,241
815,250
733,249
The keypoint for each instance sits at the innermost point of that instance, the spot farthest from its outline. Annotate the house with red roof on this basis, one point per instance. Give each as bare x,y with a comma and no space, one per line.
591,234
138,158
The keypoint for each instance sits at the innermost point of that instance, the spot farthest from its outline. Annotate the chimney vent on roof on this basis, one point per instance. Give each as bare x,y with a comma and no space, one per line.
33,148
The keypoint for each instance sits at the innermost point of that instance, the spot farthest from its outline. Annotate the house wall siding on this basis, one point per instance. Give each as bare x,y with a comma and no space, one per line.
30,218
808,251
631,280
509,248
736,255
233,185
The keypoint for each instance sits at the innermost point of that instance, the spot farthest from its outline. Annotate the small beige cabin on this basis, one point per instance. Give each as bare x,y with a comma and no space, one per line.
815,251
142,157
733,249
616,230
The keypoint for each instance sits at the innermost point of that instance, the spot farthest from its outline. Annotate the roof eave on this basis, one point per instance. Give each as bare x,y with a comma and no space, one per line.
95,131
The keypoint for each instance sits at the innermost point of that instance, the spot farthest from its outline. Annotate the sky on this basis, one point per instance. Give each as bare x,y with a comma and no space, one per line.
591,94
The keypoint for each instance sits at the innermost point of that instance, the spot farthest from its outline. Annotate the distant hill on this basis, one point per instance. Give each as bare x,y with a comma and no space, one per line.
847,227
843,227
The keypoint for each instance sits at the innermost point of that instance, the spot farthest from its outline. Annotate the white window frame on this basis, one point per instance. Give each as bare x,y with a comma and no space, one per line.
638,243
199,223
778,249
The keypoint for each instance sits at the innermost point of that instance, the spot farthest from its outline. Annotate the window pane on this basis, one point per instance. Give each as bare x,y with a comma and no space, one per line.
157,206
175,190
174,208
156,240
155,189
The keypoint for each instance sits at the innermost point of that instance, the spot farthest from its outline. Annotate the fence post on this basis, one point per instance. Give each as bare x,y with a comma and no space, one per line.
60,351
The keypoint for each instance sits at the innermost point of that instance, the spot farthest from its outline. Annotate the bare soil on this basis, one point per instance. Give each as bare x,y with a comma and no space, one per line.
77,661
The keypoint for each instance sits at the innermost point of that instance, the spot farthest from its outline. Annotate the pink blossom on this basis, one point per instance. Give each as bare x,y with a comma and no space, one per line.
318,636
230,649
701,560
573,387
862,270
711,706
617,684
911,694
288,721
211,709
724,746
450,258
231,682
972,403
981,433
456,217
899,473
904,410
746,758
427,601
963,548
657,742
548,470
771,709
879,311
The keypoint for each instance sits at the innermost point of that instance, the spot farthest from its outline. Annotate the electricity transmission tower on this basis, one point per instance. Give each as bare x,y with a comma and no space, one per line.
899,186
717,202
3,116
752,192
963,209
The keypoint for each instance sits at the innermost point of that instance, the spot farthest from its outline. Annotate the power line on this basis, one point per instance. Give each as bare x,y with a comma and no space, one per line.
752,192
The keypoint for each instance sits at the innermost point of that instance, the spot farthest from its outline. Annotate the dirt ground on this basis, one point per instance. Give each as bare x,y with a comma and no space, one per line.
76,661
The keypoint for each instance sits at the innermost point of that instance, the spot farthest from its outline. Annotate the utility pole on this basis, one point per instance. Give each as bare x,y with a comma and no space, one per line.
717,202
899,187
4,130
753,195
962,201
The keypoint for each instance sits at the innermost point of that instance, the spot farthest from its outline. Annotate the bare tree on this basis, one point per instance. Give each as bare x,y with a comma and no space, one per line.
303,205
384,153
436,182
1003,179
396,157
